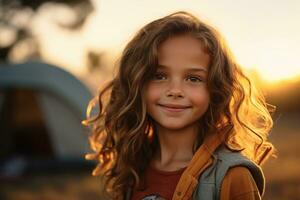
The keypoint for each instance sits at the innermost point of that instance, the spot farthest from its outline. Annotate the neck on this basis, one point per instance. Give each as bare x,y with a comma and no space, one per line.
175,148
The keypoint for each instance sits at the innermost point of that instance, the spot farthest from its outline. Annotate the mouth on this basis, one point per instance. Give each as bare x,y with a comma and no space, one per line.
173,107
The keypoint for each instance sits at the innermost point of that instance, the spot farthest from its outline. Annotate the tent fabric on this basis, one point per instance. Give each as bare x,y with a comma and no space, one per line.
45,77
62,99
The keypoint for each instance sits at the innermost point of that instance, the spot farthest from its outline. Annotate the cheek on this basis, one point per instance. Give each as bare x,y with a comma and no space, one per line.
201,99
152,93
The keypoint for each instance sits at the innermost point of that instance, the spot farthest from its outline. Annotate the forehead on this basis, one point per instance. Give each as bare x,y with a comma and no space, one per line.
187,42
183,50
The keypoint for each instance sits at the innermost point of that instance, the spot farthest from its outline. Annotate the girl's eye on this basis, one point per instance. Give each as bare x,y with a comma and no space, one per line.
159,76
194,79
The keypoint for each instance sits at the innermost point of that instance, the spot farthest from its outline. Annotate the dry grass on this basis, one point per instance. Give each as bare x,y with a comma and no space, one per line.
283,173
53,187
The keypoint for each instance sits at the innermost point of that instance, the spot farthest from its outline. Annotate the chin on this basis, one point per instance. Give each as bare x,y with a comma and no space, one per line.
173,126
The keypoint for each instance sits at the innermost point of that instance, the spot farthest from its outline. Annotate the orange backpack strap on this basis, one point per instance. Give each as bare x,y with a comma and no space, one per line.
200,161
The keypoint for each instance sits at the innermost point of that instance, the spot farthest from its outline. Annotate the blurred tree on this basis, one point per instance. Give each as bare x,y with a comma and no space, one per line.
94,60
15,29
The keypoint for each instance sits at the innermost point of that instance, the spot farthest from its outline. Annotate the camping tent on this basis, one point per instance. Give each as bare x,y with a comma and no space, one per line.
41,109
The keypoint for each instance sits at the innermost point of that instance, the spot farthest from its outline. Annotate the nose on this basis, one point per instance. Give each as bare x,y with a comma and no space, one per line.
175,89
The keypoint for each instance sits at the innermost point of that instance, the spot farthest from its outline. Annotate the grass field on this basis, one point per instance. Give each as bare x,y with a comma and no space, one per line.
283,173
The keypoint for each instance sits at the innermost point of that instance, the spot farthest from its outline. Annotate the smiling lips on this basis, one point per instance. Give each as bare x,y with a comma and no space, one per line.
174,107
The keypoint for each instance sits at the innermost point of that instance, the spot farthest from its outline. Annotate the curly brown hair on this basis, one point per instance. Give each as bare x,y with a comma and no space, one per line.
123,136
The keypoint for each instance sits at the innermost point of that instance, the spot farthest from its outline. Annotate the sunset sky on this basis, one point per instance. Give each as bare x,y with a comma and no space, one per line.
263,35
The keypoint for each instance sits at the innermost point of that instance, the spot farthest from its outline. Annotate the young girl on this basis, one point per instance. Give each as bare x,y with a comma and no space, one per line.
180,120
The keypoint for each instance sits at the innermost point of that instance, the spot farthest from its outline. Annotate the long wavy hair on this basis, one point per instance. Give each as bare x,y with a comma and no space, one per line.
123,136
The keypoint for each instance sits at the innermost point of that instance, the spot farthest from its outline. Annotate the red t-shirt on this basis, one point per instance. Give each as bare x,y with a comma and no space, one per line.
160,185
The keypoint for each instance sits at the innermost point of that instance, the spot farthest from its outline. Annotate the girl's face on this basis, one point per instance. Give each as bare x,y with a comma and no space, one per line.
177,96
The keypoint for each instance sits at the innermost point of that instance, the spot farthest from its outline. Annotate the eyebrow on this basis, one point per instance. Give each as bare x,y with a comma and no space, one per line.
192,69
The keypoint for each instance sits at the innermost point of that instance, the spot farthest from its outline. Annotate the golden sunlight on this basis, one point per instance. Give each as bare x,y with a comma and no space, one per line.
255,38
277,74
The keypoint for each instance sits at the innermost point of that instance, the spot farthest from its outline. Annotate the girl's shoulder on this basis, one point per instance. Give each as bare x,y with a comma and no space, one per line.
226,160
227,165
239,182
